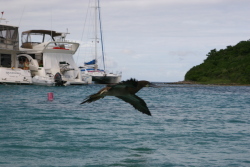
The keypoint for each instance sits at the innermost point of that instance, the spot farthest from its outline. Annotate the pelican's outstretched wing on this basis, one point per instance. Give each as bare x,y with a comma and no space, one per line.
96,96
136,102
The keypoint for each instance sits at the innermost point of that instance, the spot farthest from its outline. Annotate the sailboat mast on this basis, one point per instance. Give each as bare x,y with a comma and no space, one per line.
100,23
96,10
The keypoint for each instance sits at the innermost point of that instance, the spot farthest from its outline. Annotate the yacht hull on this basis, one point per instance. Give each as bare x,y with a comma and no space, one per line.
15,76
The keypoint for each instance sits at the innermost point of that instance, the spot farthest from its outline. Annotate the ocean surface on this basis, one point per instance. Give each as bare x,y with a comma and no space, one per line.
191,125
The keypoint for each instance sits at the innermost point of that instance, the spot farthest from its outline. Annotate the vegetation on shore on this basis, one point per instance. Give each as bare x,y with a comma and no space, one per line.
226,66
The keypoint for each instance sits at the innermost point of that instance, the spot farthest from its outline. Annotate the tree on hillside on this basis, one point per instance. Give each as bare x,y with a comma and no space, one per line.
230,65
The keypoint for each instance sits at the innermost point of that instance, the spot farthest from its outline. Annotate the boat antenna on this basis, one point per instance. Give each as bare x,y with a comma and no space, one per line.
51,25
100,23
2,16
21,16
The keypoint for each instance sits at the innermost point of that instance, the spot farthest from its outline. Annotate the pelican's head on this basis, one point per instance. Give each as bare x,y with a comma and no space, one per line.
147,84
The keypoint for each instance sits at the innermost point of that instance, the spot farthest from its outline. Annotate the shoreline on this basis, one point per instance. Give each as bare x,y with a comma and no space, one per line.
209,84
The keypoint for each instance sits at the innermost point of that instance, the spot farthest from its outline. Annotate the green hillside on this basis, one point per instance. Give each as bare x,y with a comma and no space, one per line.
226,66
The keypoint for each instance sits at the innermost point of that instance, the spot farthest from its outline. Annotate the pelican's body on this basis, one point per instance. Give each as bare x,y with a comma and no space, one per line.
126,91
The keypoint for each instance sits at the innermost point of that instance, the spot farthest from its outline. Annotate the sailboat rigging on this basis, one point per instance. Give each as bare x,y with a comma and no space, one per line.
91,67
101,34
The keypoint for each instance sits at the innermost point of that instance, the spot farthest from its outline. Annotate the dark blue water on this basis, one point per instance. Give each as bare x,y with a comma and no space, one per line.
191,126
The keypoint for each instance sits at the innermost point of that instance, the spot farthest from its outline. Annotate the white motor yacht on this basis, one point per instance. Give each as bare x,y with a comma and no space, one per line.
10,73
50,58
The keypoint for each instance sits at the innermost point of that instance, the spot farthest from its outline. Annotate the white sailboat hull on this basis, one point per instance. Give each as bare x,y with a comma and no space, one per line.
101,77
106,78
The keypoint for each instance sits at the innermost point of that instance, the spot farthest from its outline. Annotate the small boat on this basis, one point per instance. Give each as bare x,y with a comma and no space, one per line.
50,58
10,73
91,68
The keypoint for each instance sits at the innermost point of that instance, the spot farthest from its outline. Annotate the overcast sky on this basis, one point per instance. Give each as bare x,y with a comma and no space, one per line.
155,40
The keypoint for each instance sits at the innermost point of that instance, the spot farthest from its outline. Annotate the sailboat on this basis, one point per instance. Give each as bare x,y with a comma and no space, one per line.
91,67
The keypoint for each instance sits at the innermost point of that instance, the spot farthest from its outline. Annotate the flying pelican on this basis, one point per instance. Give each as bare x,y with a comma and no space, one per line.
126,91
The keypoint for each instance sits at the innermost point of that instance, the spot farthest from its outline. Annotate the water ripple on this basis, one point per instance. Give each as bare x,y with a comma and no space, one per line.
191,126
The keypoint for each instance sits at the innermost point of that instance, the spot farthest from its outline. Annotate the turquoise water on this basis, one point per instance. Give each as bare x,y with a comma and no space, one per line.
191,126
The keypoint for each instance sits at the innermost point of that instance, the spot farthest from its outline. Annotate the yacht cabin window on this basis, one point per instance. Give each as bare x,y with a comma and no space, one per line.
35,38
9,36
5,60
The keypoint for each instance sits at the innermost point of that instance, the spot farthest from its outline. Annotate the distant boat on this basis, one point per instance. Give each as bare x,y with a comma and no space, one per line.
91,67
